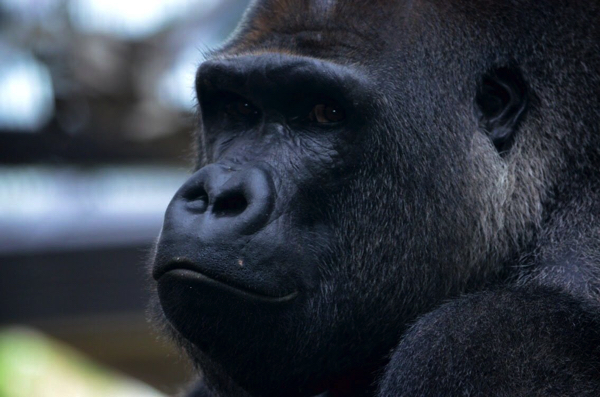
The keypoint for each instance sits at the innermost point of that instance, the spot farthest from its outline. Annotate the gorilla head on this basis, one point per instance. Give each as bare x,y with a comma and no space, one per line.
360,163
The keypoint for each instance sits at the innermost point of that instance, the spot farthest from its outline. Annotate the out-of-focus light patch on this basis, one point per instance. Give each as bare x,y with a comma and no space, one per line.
134,191
25,192
65,208
131,19
176,86
26,94
30,9
32,191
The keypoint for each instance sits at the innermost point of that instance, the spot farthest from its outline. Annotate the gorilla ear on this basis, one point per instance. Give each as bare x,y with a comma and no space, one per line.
500,105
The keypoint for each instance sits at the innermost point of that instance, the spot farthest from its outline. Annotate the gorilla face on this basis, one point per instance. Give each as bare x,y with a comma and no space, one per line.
336,201
250,259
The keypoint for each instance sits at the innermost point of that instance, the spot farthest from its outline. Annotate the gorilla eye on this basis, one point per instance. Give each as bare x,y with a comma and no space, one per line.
240,108
327,113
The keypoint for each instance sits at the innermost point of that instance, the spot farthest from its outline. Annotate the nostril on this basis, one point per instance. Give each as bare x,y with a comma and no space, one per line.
197,200
231,204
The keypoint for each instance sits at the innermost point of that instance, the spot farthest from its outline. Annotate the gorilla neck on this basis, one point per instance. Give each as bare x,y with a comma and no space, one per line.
359,382
354,383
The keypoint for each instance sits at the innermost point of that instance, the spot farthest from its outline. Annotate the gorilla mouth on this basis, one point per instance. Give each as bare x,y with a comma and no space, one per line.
186,272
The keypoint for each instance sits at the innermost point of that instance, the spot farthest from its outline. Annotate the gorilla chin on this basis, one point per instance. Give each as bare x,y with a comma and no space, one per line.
217,305
222,321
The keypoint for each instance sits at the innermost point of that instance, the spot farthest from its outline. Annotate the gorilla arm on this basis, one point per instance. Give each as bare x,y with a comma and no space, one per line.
526,341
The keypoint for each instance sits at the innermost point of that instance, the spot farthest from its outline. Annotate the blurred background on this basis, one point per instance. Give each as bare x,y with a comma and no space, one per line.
96,121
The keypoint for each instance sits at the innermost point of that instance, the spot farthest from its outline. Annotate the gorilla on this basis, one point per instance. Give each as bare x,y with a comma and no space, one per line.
392,198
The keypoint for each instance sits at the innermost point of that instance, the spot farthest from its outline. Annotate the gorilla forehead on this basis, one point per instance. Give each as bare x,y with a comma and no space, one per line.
356,31
329,29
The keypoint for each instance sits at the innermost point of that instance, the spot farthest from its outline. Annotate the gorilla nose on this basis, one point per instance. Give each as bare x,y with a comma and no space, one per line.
226,202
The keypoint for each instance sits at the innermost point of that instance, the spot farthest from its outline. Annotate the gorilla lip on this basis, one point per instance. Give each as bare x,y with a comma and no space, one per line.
187,271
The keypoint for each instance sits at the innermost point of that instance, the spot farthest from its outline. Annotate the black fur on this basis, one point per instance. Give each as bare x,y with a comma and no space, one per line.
441,239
